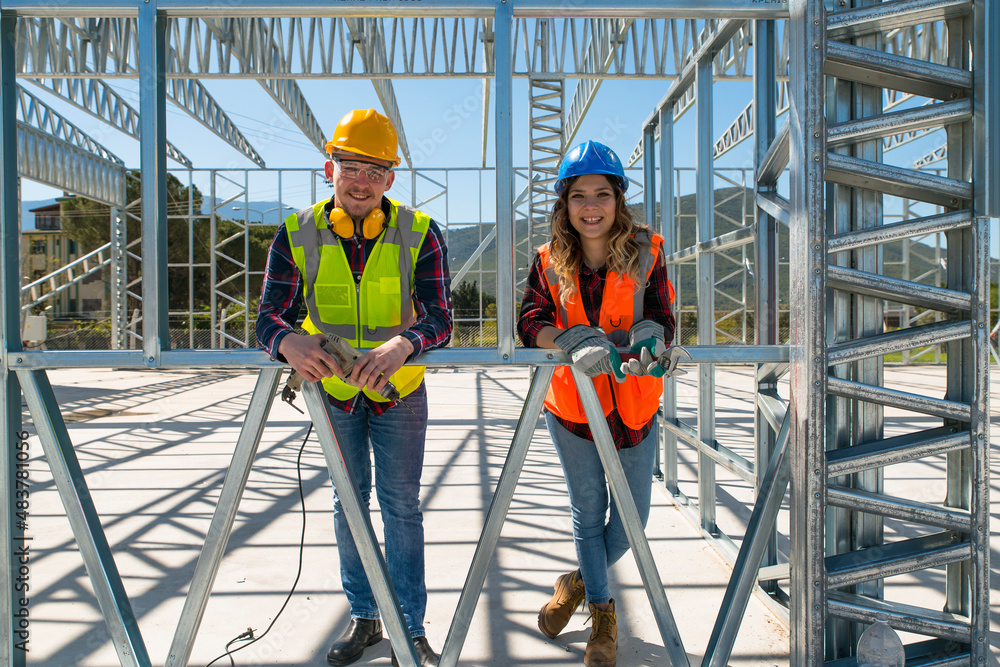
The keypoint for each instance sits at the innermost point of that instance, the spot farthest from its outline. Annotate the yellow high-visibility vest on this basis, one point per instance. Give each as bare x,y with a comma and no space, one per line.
372,311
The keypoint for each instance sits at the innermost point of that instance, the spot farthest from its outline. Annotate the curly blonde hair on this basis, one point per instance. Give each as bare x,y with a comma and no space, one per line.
566,253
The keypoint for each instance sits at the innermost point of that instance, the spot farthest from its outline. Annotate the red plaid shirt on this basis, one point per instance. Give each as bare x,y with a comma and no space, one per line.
538,311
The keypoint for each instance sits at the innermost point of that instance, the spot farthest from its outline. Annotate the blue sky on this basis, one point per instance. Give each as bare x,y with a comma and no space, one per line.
442,120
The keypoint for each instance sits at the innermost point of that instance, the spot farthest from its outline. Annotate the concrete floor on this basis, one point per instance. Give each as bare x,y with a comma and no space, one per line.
155,447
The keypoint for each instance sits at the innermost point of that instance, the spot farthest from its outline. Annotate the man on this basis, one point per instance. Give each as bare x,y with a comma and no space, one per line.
375,273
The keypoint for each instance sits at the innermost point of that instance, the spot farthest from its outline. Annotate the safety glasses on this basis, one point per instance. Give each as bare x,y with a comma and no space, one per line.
351,170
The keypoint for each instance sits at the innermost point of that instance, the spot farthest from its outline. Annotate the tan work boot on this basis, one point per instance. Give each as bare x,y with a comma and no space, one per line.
555,613
603,640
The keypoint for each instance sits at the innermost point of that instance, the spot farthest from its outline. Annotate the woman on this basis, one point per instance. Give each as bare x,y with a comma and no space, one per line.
600,282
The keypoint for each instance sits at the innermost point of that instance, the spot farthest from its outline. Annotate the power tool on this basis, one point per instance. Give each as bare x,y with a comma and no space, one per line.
346,357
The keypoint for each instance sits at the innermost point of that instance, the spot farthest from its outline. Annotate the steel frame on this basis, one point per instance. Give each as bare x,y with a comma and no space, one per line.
838,64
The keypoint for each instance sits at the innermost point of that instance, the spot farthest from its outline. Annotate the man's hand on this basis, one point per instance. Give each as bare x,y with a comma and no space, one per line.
306,355
375,367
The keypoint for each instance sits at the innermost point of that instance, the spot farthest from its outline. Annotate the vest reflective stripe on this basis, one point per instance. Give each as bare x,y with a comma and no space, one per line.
371,312
638,398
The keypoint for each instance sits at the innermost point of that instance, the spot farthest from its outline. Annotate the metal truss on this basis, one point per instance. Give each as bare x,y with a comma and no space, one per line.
191,96
546,149
407,47
96,98
284,91
101,101
937,155
42,117
600,56
681,95
46,159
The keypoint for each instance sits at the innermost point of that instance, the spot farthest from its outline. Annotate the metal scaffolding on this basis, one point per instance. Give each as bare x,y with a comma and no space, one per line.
855,80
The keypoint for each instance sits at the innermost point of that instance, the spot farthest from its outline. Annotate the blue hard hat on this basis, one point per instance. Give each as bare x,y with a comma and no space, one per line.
591,157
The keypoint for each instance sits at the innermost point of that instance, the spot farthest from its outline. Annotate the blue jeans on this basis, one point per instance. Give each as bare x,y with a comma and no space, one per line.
397,438
600,541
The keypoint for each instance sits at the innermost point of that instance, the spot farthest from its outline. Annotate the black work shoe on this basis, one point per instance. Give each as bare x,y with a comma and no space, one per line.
359,635
424,652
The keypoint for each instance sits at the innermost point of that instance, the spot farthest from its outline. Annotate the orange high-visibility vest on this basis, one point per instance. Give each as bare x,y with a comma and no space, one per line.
638,398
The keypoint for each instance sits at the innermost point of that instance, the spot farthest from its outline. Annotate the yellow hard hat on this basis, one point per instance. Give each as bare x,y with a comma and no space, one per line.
366,132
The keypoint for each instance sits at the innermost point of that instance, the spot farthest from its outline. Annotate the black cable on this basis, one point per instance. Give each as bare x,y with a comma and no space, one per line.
302,543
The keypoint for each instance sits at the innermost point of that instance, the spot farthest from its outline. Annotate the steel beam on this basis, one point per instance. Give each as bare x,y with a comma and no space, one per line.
705,275
101,101
13,439
808,262
43,158
47,120
153,166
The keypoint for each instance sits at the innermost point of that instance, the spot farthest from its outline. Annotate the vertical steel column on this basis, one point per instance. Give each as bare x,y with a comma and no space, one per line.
986,177
807,255
11,533
868,318
119,275
649,212
851,422
668,228
191,263
840,634
986,107
152,30
245,267
766,276
962,372
978,580
213,267
503,49
705,206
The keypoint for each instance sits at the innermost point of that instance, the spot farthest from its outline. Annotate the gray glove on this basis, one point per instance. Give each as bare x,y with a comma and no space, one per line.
645,338
591,351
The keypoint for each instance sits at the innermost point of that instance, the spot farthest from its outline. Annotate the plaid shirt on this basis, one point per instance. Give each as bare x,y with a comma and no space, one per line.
538,311
281,297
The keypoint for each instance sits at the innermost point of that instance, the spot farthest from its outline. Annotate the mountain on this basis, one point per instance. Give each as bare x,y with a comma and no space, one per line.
733,210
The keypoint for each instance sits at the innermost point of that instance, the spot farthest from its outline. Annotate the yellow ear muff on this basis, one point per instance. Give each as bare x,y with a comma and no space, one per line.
343,225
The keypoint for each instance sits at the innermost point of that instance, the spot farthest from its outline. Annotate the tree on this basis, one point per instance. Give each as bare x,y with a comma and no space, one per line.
88,223
466,298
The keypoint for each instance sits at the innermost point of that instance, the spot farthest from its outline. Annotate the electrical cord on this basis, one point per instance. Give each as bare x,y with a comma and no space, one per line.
248,635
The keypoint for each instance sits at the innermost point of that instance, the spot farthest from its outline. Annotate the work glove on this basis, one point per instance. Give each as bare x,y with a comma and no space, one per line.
591,351
645,338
